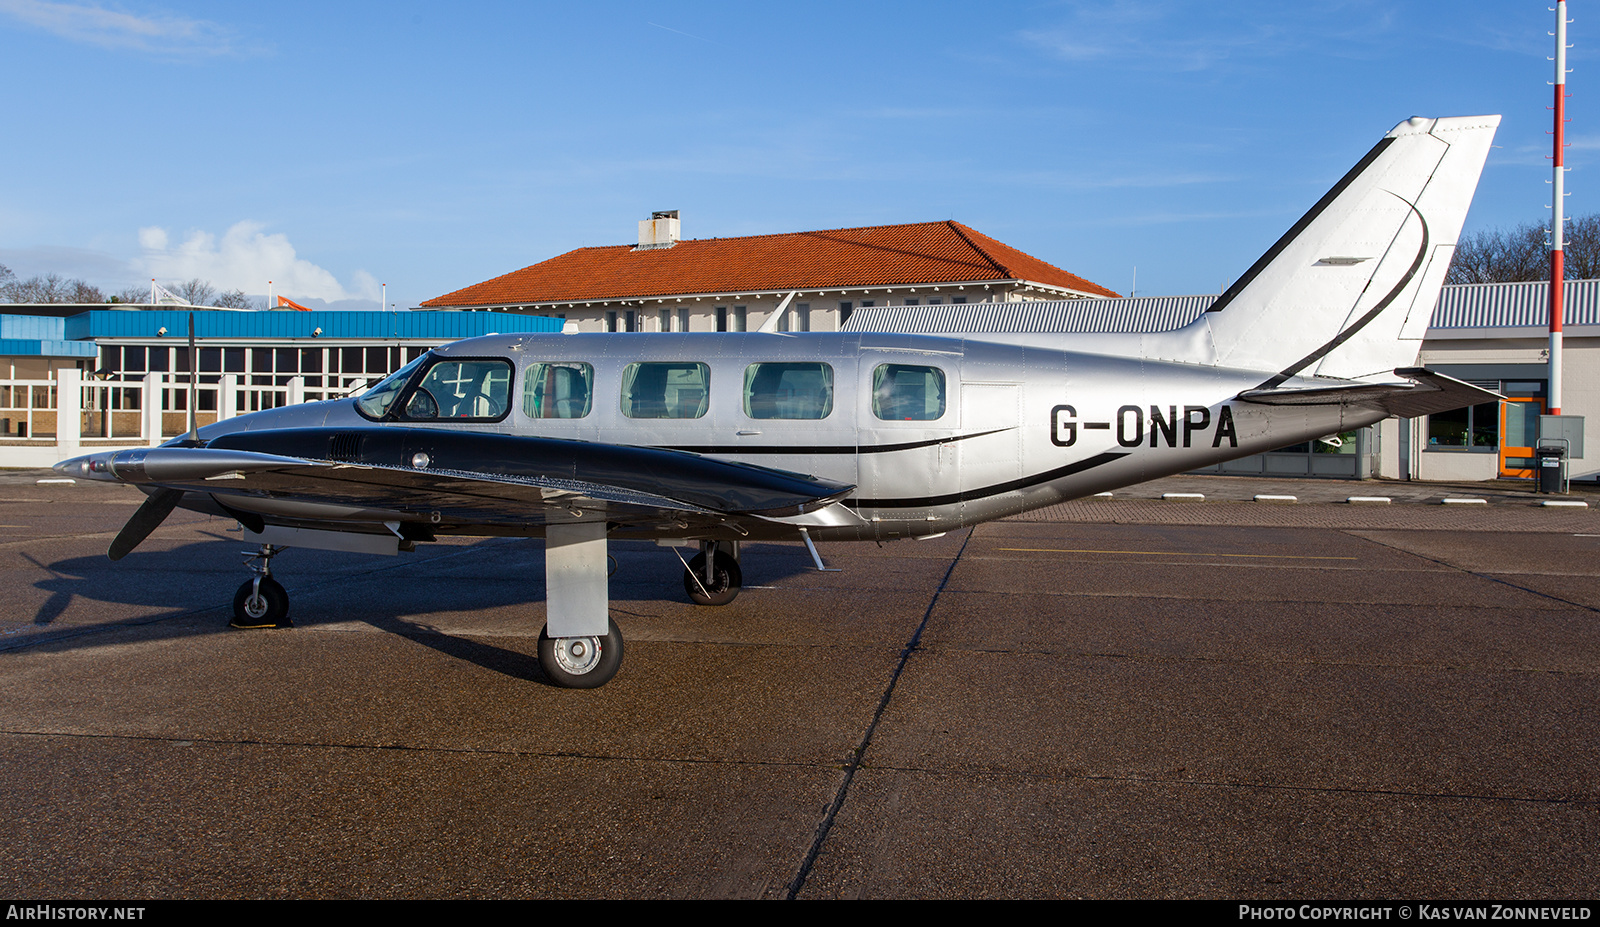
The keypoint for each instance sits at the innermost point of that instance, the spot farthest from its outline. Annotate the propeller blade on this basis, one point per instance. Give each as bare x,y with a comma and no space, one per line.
148,518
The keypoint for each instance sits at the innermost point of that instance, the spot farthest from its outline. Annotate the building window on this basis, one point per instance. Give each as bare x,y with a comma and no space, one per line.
912,301
683,319
868,303
935,301
611,320
802,317
664,320
958,299
738,319
845,308
722,318
1475,428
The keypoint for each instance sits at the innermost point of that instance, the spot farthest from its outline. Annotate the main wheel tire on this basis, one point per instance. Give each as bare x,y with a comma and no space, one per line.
723,587
267,609
581,662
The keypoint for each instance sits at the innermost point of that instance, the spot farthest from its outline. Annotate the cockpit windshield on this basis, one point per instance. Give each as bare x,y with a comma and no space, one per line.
376,401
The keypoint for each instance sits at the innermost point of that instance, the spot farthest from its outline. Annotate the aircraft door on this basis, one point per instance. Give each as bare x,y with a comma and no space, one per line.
796,414
906,415
993,458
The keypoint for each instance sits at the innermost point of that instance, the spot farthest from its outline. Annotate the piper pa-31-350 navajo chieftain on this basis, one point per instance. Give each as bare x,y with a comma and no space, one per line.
713,439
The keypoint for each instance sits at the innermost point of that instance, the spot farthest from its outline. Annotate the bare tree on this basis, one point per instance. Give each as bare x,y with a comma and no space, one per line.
1523,253
1501,256
195,292
132,294
51,288
85,292
234,299
1581,253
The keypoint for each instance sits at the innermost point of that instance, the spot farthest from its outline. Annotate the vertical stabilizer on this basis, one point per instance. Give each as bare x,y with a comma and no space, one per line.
1349,290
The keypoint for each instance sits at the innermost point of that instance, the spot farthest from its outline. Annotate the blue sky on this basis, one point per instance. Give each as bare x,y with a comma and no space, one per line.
335,146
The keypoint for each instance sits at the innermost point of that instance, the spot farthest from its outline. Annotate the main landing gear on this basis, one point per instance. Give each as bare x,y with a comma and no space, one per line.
580,647
713,576
581,662
261,602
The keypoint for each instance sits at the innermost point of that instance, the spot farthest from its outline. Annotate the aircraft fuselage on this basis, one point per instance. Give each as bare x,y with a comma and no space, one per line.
934,432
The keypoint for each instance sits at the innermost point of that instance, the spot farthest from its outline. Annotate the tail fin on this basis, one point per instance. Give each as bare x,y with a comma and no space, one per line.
1349,290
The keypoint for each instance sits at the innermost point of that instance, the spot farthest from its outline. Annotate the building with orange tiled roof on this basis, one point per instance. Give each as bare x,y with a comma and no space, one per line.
663,283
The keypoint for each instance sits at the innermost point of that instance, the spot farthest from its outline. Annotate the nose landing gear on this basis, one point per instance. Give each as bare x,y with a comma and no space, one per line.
261,602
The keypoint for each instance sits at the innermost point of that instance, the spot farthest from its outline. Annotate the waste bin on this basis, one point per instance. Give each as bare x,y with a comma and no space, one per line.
1552,468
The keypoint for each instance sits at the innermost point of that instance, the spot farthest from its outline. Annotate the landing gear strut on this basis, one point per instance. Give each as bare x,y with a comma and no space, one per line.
261,602
580,646
717,585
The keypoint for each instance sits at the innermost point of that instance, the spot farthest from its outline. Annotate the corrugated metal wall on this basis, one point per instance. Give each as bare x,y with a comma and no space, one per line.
1137,314
32,327
1477,305
1513,305
368,326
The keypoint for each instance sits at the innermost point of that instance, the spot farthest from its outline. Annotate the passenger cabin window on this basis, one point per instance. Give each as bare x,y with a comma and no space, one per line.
461,390
788,390
903,392
665,390
557,390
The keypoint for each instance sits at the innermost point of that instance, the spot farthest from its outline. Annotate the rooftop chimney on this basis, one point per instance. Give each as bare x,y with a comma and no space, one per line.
658,231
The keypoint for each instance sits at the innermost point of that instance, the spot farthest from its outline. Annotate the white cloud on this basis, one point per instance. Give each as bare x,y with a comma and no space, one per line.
96,25
245,258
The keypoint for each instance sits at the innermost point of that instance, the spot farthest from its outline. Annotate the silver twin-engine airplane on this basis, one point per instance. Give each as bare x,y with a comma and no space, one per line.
714,439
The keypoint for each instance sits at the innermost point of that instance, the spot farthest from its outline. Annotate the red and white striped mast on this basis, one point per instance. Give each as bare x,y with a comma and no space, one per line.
1557,220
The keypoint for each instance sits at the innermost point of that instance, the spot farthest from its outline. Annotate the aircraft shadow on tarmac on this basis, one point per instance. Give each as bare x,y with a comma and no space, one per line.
197,581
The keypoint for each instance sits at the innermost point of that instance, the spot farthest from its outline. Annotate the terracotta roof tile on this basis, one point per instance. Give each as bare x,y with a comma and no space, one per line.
924,252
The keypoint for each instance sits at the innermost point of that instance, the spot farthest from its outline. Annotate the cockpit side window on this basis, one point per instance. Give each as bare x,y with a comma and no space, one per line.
562,389
476,389
675,389
908,393
376,401
793,391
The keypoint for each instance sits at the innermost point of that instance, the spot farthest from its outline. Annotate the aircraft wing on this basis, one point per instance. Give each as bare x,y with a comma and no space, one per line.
446,478
1424,392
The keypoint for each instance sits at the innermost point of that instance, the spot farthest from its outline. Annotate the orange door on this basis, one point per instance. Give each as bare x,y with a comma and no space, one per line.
1519,430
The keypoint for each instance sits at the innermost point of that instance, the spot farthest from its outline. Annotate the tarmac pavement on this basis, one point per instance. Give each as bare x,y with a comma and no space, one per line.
1121,698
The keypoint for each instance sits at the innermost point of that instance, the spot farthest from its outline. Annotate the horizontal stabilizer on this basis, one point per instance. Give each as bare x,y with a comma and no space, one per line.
1424,392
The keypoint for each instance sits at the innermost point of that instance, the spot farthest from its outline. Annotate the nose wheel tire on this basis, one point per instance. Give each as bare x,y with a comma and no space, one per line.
581,662
721,588
267,607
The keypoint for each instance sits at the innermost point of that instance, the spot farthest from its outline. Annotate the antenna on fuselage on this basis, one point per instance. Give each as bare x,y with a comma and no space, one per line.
771,324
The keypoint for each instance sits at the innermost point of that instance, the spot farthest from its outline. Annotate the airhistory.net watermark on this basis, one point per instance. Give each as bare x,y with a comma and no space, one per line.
52,912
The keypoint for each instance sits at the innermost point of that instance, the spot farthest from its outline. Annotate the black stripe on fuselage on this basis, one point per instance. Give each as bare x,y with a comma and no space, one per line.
802,449
1373,313
1305,220
972,495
